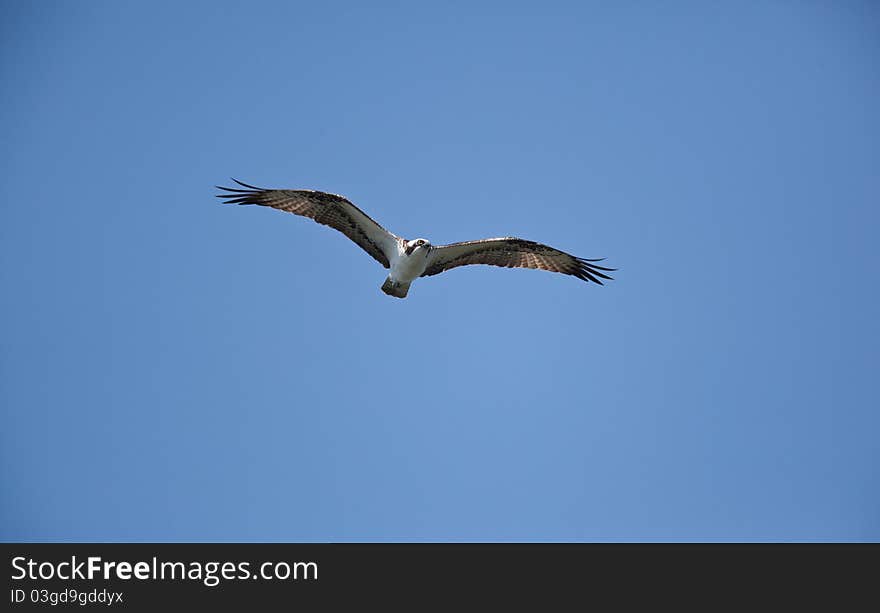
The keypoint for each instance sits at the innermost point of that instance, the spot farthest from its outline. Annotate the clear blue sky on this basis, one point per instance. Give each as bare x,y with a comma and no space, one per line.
175,370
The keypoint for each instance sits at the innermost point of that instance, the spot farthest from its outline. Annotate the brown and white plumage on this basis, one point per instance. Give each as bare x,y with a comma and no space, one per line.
332,210
511,252
410,259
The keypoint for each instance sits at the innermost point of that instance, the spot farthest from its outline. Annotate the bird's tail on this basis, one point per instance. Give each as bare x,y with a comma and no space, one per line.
395,288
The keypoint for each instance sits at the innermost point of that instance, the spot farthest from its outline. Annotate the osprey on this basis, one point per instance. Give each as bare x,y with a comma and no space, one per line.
410,259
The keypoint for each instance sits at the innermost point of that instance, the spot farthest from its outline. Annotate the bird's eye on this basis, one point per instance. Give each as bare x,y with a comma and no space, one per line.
421,243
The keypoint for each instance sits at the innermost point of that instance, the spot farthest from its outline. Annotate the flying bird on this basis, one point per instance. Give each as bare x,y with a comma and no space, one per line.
407,260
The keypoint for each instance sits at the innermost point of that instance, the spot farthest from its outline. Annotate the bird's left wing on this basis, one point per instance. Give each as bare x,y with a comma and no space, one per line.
513,253
329,209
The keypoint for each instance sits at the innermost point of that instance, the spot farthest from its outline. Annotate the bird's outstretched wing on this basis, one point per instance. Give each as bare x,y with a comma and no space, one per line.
328,209
513,253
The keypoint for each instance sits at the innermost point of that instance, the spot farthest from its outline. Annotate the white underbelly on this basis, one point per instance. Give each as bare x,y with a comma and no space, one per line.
405,269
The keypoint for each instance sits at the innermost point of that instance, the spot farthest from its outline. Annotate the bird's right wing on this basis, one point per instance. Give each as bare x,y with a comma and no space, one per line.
513,252
328,209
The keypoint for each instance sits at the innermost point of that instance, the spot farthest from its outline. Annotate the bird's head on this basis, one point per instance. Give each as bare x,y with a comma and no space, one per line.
418,245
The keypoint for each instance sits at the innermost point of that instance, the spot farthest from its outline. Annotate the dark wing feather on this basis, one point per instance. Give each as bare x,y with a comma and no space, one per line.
513,253
328,209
